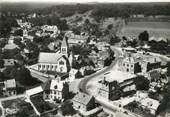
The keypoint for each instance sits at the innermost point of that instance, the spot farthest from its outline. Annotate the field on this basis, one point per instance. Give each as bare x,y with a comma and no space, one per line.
157,29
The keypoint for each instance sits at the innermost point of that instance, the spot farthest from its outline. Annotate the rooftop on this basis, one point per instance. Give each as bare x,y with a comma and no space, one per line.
82,98
34,91
119,76
45,57
11,46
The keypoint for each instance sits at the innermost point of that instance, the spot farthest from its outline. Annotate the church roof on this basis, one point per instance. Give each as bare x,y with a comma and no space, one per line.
45,57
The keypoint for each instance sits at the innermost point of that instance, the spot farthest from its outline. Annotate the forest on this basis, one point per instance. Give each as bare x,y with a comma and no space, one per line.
98,10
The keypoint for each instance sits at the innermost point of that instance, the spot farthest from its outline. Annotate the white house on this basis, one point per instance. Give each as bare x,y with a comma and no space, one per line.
72,74
55,90
8,87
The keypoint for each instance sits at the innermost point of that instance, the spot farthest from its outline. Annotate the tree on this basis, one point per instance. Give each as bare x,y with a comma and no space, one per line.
67,108
144,36
18,32
110,26
141,83
168,69
78,75
1,63
114,40
24,77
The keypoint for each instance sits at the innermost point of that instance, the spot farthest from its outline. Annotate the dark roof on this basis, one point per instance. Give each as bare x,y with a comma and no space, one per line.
46,85
154,74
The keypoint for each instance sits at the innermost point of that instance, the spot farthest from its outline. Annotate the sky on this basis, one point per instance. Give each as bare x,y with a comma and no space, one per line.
84,1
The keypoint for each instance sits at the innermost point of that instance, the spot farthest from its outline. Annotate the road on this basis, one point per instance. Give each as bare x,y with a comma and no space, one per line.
104,102
98,74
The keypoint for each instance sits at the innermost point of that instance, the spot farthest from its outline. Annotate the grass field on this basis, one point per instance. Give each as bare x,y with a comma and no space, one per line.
157,29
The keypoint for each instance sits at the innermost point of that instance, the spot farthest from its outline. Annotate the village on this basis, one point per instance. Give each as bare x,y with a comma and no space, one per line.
48,72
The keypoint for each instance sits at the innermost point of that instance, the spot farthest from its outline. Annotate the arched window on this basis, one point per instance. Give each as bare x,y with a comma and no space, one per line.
61,63
61,69
55,87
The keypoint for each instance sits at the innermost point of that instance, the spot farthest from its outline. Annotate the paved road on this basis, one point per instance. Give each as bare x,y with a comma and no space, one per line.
104,102
98,74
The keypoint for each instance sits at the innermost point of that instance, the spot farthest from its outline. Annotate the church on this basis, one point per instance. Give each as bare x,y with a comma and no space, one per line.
55,62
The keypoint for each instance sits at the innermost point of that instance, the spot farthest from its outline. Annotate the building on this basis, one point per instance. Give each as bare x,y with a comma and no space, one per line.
11,46
9,62
74,39
38,90
147,103
83,102
130,65
8,87
107,89
139,62
72,74
154,75
57,62
55,90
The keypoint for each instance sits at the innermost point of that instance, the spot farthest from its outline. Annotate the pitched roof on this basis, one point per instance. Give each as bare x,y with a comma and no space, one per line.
82,98
52,85
45,57
11,46
9,62
34,91
46,85
55,85
154,74
73,71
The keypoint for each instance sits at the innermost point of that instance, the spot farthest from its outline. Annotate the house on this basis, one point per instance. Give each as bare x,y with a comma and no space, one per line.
150,104
8,87
72,74
130,65
102,57
11,46
83,102
102,46
55,90
154,75
74,39
147,103
139,62
9,62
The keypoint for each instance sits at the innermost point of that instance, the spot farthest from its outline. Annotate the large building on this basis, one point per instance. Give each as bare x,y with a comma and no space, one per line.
135,63
55,62
83,102
107,89
55,90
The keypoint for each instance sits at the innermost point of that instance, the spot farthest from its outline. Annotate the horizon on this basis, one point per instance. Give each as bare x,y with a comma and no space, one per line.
84,1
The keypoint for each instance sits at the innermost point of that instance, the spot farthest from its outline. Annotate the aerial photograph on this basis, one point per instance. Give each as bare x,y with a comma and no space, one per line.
87,58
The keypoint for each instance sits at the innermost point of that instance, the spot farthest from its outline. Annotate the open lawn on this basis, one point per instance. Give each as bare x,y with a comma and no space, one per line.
157,29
